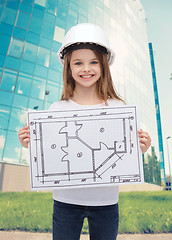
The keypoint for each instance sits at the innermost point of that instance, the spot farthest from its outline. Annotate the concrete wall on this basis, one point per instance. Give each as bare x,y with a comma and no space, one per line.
16,178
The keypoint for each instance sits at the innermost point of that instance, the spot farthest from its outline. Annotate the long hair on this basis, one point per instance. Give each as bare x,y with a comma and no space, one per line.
104,86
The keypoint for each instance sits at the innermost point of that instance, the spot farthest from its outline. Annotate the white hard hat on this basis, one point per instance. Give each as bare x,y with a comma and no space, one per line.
86,35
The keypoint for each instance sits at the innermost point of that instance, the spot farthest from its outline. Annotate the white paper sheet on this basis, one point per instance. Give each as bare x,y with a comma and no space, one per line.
81,148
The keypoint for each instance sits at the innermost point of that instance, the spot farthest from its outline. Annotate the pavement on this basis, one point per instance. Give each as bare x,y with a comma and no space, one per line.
14,235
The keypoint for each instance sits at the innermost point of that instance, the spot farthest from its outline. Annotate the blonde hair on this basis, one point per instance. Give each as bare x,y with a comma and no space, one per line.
104,88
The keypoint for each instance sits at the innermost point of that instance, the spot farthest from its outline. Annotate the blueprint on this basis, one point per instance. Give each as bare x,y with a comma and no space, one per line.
84,148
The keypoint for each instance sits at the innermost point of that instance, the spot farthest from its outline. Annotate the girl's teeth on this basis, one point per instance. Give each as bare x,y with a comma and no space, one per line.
87,76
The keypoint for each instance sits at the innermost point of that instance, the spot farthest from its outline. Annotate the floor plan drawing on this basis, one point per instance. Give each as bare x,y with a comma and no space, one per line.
89,147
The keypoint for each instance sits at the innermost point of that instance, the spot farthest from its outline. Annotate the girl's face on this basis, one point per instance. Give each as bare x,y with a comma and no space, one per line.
85,68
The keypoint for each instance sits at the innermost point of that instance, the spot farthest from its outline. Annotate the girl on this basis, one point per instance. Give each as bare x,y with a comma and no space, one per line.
86,55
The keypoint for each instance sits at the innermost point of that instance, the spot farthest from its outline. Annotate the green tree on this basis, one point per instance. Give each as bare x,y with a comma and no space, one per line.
151,167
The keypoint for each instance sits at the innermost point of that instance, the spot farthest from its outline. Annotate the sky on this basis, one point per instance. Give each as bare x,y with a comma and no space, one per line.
159,29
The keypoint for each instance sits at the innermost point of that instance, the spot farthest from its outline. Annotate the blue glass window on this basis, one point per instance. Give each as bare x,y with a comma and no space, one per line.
20,101
82,19
2,142
84,4
59,34
24,83
73,7
27,67
8,80
23,20
35,25
4,43
47,30
60,23
0,72
41,71
54,62
62,13
19,33
53,92
54,75
56,45
38,88
4,116
29,1
40,2
38,12
17,119
12,62
6,29
9,16
30,52
33,38
13,4
25,7
1,10
35,104
49,18
6,98
43,57
46,43
12,149
2,60
52,6
16,48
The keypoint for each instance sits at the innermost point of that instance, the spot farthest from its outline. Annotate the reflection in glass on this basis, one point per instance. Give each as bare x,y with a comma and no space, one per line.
20,101
40,2
17,119
59,34
8,80
4,43
23,20
30,51
9,16
25,7
2,60
47,29
19,33
12,62
43,56
35,104
24,83
16,48
38,88
4,116
12,149
35,25
33,38
2,142
54,61
6,98
27,67
53,89
41,71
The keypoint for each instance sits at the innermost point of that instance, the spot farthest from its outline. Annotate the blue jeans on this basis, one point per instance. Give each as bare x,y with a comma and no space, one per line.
68,220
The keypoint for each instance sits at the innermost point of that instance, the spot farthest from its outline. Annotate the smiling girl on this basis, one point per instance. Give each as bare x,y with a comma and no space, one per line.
86,56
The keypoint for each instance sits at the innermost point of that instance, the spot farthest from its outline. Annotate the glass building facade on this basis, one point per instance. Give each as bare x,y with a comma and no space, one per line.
31,32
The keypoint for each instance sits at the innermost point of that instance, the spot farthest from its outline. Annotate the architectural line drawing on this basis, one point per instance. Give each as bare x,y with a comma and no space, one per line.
84,148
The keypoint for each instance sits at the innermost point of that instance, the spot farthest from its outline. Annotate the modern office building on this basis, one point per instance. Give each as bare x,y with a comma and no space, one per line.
31,32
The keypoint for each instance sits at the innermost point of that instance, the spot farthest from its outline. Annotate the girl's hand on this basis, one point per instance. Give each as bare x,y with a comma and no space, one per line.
24,137
145,140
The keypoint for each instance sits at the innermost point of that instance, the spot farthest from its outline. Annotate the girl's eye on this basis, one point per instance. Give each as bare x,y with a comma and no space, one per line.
78,63
94,62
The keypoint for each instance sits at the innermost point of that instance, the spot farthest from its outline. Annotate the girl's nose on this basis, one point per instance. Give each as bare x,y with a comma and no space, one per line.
86,68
